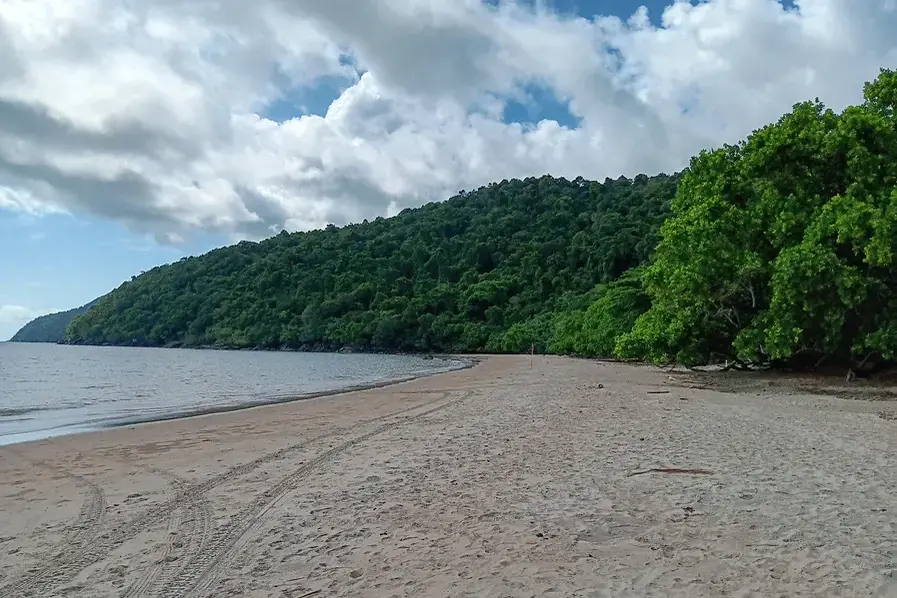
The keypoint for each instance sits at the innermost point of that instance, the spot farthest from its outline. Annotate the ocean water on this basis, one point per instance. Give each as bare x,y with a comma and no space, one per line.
50,390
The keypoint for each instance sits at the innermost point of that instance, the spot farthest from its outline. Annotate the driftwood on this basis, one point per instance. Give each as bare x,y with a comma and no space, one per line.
658,392
738,365
672,470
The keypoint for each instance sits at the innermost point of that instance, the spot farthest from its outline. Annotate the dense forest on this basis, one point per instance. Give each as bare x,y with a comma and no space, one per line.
50,328
778,249
484,271
781,249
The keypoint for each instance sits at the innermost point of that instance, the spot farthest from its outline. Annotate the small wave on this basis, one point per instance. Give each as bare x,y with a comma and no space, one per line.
14,411
18,411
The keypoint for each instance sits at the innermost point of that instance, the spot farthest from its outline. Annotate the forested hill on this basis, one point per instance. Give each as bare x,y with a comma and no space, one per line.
49,328
451,276
780,249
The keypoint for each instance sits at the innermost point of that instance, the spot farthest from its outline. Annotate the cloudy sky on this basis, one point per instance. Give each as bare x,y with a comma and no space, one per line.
133,132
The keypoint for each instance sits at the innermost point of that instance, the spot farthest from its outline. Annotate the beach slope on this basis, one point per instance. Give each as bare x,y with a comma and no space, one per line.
571,478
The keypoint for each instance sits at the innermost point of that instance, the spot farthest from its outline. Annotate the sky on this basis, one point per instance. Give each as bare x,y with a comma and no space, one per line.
135,132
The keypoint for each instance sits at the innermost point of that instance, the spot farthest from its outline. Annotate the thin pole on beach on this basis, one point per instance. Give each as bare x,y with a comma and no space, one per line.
532,353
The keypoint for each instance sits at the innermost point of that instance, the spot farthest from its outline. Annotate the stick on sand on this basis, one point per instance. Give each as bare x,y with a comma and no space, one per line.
672,470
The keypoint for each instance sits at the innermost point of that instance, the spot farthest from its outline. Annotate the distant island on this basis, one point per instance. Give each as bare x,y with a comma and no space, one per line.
51,327
778,250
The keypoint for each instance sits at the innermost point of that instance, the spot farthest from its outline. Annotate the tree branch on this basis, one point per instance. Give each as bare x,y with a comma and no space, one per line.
865,359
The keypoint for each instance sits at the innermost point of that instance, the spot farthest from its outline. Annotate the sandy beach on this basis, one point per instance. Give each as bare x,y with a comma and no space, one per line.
495,481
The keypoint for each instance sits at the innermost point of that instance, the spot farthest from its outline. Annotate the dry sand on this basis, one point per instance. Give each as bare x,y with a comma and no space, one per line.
495,481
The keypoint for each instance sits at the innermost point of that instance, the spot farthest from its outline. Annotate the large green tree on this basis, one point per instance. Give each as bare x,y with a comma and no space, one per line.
595,331
782,248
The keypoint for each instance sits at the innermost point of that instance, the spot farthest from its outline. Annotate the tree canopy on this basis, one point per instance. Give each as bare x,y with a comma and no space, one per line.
782,247
484,271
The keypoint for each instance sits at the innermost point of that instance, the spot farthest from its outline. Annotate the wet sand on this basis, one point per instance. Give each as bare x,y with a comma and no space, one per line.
498,480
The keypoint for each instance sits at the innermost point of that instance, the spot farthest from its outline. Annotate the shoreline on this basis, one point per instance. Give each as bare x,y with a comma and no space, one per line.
316,348
464,362
567,478
319,347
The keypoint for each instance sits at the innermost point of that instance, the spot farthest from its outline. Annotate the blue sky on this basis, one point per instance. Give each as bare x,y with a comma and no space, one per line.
60,261
56,262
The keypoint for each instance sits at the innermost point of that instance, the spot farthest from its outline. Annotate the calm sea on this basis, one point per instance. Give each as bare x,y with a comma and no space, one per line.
50,390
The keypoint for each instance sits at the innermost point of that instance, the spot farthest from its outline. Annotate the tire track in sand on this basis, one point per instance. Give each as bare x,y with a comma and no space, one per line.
201,572
90,517
63,566
186,523
187,529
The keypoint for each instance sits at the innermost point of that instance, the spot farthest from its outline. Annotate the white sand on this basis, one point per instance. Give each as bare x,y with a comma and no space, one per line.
495,481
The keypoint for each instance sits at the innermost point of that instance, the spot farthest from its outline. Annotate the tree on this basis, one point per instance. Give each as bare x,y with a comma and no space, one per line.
596,330
782,247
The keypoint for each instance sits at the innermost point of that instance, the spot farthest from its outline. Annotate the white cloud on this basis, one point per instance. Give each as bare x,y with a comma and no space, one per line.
10,313
13,317
146,111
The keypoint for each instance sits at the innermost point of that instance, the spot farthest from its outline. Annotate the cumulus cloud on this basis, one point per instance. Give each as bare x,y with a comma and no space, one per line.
148,112
13,317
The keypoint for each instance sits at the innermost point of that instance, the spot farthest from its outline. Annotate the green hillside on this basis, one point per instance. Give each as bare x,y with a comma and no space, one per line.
780,249
49,328
451,276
